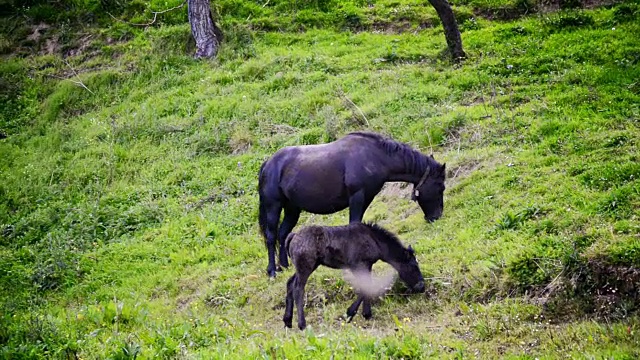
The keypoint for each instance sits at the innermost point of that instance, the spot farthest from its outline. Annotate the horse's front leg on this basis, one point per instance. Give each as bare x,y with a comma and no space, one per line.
291,216
357,206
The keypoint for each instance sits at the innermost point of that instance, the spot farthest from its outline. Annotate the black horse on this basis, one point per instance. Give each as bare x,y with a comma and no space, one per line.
348,172
356,247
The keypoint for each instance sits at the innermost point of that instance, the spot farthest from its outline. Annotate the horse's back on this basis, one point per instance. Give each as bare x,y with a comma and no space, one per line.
309,177
319,178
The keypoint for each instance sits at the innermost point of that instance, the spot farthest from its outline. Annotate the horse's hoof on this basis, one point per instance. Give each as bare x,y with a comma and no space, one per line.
272,274
302,326
278,268
367,316
288,324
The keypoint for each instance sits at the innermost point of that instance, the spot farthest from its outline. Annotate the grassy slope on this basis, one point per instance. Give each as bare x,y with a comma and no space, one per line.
129,212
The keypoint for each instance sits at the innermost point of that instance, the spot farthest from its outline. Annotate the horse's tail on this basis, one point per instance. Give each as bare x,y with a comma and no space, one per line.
262,209
288,241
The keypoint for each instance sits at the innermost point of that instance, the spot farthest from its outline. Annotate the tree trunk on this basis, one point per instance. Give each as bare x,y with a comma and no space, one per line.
205,32
451,32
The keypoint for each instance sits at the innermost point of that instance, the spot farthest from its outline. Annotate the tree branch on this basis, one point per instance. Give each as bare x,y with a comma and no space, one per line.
77,82
353,106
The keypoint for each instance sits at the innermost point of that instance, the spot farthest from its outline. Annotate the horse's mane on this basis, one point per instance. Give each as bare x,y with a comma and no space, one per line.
415,160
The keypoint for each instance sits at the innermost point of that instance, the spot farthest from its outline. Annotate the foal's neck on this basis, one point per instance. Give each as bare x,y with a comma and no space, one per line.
387,255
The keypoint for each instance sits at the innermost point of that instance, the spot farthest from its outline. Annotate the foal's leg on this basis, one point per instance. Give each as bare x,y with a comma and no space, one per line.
362,299
366,306
288,307
291,216
353,309
298,294
271,233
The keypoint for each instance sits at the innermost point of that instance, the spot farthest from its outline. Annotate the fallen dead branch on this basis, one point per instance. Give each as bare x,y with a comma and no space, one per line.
155,15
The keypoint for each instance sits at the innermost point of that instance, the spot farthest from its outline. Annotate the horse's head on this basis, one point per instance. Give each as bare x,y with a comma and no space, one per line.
428,192
409,271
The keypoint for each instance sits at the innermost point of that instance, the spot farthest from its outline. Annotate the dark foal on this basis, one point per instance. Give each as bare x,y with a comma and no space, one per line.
355,247
346,173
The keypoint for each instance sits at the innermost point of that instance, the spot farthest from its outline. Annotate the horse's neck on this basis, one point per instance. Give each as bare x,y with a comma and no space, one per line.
403,170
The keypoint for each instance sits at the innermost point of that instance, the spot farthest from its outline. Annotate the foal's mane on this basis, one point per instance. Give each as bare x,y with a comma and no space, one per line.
384,235
416,161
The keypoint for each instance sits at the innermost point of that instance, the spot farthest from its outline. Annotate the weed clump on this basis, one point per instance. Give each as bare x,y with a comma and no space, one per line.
569,20
512,220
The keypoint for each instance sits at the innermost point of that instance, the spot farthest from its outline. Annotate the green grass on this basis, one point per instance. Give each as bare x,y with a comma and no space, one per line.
128,212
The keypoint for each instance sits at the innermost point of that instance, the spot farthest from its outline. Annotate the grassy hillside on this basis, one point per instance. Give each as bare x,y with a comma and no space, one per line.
128,200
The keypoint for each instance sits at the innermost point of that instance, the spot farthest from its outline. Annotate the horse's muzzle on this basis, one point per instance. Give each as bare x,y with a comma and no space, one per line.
419,287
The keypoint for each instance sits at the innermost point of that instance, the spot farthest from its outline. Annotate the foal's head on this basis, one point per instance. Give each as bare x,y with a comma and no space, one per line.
402,259
408,269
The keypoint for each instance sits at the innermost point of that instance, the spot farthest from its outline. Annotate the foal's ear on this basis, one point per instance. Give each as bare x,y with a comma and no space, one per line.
410,250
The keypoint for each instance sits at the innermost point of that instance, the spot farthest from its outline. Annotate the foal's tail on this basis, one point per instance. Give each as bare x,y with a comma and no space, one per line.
262,209
288,241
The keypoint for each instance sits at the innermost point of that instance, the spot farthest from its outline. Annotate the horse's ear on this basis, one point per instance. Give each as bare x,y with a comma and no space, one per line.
410,249
431,156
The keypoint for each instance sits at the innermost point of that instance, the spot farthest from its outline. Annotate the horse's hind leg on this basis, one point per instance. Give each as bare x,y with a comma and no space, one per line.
271,233
288,307
291,216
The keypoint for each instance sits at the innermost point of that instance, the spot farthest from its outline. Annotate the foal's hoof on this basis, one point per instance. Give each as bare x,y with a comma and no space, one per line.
287,323
272,274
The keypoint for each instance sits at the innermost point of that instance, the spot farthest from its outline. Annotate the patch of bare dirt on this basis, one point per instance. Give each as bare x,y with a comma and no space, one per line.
37,31
462,170
395,27
51,46
81,46
397,189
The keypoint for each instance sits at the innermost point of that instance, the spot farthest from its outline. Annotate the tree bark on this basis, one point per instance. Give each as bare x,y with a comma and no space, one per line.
451,32
204,30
